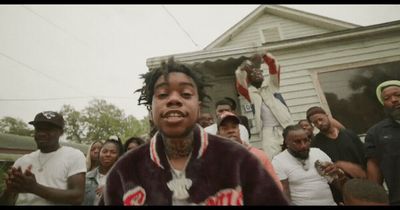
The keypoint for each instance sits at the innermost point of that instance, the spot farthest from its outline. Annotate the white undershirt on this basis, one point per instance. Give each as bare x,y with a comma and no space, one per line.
179,184
176,201
267,117
101,179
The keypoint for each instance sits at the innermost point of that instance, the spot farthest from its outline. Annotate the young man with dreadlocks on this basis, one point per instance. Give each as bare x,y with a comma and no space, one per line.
182,164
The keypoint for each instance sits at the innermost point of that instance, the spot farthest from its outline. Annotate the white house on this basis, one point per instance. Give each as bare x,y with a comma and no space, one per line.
324,62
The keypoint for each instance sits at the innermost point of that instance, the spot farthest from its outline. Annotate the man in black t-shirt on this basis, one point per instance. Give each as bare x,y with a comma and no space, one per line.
342,145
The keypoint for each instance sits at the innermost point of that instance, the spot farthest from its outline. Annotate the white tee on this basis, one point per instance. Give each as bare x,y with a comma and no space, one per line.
267,117
101,180
307,187
244,134
57,167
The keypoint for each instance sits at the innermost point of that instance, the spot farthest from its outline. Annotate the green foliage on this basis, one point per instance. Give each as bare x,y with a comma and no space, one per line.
100,120
135,127
4,166
15,126
103,120
74,124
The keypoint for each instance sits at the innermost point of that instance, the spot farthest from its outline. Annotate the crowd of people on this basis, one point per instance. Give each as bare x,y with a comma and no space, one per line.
200,158
62,175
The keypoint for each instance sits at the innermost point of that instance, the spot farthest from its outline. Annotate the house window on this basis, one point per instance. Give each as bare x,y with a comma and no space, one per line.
351,95
270,34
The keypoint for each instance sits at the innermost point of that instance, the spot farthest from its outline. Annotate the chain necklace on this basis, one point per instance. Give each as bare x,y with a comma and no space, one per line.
41,165
179,184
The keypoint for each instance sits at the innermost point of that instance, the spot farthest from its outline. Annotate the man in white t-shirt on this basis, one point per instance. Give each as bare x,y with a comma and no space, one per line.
225,106
51,175
303,182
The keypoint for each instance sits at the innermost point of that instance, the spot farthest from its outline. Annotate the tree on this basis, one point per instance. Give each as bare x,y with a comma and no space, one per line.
99,121
135,127
74,124
15,126
361,110
103,120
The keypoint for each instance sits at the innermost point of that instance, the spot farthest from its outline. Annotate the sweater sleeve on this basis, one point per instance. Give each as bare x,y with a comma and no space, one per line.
241,81
259,187
273,69
113,190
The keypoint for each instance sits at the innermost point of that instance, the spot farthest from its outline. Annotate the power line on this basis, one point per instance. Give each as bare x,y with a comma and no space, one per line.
64,98
41,73
39,99
56,26
180,26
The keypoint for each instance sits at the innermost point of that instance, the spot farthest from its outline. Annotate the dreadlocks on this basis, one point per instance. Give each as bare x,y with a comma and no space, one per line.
150,78
286,133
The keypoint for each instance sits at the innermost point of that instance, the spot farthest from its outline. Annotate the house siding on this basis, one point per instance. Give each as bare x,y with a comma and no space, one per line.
299,65
290,29
301,59
295,84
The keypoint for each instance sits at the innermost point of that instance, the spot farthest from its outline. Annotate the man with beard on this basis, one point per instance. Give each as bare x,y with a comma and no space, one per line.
51,175
382,142
342,145
182,164
310,129
270,114
302,183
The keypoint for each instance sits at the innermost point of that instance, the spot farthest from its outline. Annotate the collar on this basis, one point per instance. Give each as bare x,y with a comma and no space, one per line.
157,154
390,122
93,173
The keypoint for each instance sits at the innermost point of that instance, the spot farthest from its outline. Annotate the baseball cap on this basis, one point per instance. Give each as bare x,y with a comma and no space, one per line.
49,117
227,115
383,85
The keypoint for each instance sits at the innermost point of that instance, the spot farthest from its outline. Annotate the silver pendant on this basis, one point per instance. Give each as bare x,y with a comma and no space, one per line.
180,187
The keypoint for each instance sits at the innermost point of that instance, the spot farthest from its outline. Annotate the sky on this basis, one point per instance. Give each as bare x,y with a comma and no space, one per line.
52,55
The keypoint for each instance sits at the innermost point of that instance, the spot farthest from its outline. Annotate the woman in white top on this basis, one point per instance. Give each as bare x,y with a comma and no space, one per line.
95,179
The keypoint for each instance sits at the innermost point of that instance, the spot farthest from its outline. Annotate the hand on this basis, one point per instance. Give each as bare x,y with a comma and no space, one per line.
99,190
9,180
246,66
25,182
12,179
332,170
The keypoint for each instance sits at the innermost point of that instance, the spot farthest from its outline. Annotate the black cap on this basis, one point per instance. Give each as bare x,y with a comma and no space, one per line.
49,117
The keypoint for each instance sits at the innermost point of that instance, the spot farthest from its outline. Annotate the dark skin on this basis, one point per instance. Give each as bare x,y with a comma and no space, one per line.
254,74
298,143
323,123
175,110
391,100
19,181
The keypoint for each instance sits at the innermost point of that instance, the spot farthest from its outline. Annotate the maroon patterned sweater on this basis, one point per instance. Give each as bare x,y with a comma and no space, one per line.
222,173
